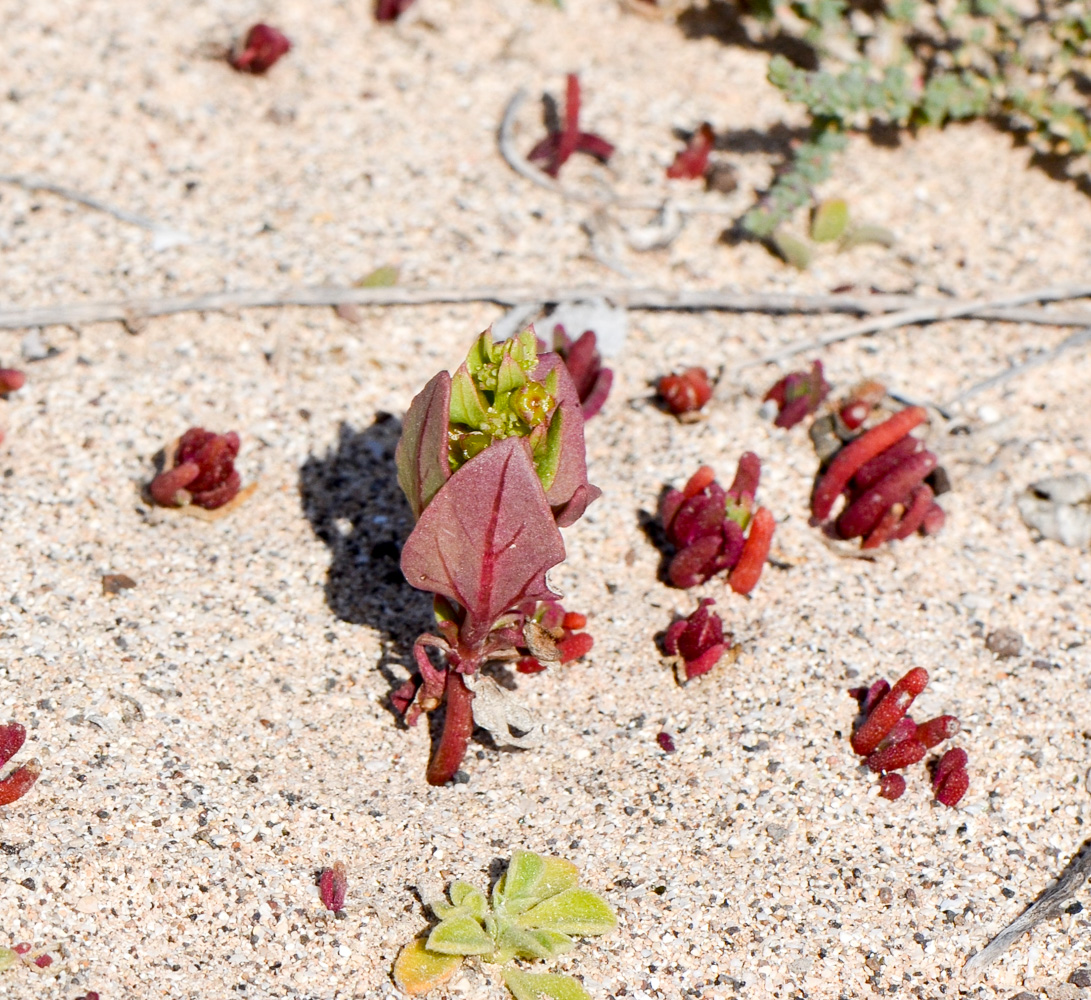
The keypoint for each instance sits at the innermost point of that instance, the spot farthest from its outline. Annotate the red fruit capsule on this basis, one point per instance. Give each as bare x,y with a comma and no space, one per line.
332,887
892,786
894,704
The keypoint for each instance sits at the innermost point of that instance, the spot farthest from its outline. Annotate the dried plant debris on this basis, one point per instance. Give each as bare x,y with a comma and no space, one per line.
1049,904
1059,509
264,45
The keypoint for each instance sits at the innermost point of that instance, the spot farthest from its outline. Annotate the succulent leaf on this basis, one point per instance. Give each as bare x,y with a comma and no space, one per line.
831,219
421,455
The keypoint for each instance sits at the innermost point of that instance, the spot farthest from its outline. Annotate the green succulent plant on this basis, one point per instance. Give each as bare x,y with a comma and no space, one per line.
536,912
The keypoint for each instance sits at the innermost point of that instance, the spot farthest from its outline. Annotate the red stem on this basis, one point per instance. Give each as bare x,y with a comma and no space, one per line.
570,134
458,726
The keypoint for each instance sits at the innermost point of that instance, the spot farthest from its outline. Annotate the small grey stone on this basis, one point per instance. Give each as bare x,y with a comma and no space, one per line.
1081,977
1004,642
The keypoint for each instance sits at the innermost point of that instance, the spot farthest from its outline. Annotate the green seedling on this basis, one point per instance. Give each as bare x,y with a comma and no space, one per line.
536,911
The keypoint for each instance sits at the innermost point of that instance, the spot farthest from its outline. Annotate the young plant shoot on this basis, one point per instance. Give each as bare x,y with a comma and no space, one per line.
492,462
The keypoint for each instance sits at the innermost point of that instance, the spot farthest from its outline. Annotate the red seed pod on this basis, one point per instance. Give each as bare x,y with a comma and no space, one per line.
891,786
933,732
888,711
955,759
897,755
953,787
332,886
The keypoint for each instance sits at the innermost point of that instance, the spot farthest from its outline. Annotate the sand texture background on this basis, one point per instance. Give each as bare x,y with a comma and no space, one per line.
215,736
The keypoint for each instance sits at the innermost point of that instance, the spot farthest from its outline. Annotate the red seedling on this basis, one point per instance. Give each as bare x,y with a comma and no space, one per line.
201,472
882,474
391,10
798,395
890,740
891,786
11,379
707,525
554,150
263,46
21,780
584,364
692,162
698,641
332,886
666,742
685,393
492,461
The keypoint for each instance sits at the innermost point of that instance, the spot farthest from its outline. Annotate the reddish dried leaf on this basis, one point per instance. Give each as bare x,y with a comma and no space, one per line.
692,162
263,47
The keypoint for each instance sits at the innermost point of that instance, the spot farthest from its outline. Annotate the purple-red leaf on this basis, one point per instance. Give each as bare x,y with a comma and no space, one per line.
421,455
488,537
570,493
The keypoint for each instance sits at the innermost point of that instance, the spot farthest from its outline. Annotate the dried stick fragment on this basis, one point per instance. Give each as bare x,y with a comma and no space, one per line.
637,298
1048,905
920,314
1077,339
164,235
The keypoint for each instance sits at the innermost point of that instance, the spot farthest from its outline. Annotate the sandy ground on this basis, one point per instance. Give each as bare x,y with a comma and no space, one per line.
214,737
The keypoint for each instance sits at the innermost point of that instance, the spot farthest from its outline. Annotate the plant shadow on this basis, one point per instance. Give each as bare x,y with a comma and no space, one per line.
352,499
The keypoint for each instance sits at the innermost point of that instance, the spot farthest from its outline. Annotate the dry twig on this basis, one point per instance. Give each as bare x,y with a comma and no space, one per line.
921,314
645,299
165,236
1048,905
1076,339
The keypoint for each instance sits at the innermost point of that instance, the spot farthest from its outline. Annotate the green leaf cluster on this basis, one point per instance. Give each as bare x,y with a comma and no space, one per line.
536,911
494,397
911,64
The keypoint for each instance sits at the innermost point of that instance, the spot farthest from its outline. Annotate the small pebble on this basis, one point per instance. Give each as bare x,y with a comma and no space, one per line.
1004,642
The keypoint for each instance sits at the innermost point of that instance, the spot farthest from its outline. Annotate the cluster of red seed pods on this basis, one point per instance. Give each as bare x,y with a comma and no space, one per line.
889,740
883,476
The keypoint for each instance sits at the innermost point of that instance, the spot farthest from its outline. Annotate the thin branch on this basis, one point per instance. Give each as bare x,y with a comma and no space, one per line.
646,299
920,314
1076,339
1048,905
165,236
524,168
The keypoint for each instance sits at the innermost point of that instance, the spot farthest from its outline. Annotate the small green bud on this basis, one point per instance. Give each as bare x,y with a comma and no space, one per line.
533,403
